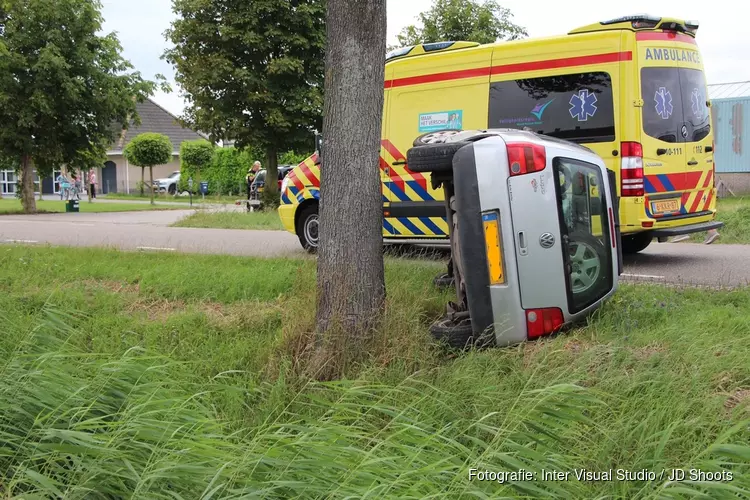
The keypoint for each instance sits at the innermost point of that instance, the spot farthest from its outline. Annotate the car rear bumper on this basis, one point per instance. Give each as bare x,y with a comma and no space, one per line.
689,229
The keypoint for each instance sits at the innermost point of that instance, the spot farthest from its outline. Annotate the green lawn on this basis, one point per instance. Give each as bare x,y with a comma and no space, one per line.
232,220
13,206
179,199
144,375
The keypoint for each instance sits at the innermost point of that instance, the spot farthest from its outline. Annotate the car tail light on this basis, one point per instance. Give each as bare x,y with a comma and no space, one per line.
612,227
631,169
541,322
525,158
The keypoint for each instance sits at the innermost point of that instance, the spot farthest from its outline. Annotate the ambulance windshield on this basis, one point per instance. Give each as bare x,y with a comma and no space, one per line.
675,105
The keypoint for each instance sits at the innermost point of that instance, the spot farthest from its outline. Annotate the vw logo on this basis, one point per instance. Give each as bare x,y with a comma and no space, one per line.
684,131
547,240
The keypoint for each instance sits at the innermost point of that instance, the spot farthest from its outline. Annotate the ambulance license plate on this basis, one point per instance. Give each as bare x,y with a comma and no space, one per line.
666,206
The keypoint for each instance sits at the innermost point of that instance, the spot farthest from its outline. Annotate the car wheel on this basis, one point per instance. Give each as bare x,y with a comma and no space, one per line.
172,189
588,266
307,228
433,157
438,136
634,243
459,335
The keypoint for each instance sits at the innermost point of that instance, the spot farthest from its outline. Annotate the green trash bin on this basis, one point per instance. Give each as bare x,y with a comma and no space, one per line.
72,206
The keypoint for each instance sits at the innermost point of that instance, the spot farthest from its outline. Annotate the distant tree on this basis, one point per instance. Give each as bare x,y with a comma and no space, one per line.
465,20
62,85
149,150
195,156
252,72
351,283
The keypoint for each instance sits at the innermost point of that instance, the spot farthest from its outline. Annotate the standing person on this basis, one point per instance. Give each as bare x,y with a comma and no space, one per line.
92,182
251,176
64,183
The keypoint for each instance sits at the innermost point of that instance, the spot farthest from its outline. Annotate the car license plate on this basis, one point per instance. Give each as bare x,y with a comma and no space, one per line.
666,206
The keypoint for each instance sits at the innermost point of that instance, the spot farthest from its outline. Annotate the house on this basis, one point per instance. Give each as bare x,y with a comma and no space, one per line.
117,175
730,103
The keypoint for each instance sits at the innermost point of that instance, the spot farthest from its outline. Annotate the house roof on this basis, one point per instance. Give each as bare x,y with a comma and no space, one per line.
728,90
156,119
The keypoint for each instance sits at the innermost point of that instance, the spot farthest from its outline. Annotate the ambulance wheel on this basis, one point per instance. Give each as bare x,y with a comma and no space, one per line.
433,157
458,335
307,228
434,137
588,261
634,243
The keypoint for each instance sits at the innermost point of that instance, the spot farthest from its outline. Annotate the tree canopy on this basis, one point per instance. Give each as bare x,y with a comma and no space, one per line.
462,20
62,84
148,150
252,72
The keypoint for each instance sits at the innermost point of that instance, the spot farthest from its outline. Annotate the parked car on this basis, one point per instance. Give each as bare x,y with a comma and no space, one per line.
168,184
260,179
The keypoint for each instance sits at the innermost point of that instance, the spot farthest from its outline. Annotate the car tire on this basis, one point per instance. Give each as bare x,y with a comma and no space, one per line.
435,137
433,157
635,243
458,335
584,245
307,228
172,189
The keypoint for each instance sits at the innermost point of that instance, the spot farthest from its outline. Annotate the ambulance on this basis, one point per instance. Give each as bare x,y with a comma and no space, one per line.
631,89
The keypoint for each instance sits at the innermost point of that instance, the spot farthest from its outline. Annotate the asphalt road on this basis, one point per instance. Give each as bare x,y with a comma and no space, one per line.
714,265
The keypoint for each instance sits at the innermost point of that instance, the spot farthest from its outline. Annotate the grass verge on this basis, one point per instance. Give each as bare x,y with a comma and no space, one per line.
160,377
220,200
13,206
734,212
232,220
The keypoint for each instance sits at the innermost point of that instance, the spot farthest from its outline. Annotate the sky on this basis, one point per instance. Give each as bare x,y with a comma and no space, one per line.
140,25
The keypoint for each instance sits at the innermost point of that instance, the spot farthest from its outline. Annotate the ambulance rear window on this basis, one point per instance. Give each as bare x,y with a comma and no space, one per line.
673,97
576,107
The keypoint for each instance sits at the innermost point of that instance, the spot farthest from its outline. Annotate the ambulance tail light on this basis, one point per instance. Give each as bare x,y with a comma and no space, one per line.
526,158
631,169
540,322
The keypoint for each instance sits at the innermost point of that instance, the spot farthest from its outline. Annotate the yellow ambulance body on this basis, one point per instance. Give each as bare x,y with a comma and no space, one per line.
631,89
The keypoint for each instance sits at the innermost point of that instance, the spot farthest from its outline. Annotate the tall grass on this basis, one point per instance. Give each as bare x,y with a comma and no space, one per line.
160,388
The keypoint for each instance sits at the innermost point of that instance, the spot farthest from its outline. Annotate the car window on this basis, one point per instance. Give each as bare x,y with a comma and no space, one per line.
673,97
584,227
576,107
174,174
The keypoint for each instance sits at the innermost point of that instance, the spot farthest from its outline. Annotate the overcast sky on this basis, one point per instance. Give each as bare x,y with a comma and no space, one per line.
140,25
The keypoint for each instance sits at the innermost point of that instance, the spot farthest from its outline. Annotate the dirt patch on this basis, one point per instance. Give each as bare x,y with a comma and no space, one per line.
740,396
155,309
644,353
108,285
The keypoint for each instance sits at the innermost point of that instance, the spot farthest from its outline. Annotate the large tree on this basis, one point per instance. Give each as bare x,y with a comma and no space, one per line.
464,20
62,84
252,72
351,285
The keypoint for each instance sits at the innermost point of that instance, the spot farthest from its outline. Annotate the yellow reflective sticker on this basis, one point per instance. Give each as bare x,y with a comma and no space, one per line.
494,248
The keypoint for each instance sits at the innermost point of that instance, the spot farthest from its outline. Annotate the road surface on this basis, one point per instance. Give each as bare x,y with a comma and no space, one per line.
676,263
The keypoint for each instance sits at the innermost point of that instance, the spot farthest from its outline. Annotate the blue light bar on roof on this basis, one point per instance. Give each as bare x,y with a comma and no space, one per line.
637,17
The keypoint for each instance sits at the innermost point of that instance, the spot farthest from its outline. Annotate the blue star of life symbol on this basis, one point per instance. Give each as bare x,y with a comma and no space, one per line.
583,105
663,100
696,100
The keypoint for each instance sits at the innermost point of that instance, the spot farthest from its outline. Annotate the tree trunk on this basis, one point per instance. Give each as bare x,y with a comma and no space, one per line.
143,181
351,285
28,200
151,182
